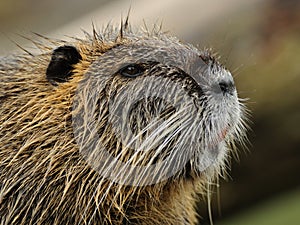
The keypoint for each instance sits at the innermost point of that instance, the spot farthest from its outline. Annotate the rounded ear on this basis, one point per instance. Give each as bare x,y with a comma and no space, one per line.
61,64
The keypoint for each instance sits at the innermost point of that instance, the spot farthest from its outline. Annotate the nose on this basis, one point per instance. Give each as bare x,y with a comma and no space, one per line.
224,87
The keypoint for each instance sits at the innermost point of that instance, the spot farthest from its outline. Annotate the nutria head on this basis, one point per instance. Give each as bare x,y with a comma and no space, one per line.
118,129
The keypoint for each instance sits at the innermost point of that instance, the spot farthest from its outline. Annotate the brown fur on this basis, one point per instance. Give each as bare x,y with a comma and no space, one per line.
44,179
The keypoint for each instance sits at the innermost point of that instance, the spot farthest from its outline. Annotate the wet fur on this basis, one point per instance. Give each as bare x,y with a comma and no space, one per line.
43,177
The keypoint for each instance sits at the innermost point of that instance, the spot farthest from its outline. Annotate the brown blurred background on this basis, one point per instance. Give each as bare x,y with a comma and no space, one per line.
259,41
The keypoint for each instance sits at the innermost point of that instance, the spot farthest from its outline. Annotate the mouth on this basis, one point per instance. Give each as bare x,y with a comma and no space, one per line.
221,136
212,154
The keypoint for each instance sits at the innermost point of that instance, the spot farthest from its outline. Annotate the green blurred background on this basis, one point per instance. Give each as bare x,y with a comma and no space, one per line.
259,41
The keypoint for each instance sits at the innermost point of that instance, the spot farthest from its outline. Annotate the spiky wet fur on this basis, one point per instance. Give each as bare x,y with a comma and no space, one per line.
43,177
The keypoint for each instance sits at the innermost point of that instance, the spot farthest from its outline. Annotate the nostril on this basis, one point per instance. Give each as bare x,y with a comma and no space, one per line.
226,87
223,86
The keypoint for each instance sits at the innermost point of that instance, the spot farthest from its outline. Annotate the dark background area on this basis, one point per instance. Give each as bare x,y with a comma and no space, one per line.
258,41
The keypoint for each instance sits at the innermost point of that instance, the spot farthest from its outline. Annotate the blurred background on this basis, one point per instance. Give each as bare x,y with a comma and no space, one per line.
259,41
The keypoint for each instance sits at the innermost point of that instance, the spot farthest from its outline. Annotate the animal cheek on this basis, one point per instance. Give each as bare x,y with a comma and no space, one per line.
61,65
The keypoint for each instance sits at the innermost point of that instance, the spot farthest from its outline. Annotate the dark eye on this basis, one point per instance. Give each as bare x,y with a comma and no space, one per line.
132,70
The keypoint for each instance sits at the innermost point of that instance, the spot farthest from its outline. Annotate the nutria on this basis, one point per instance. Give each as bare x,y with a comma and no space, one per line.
121,127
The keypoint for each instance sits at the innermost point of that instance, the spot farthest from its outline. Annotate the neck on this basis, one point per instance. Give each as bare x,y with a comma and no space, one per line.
172,203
